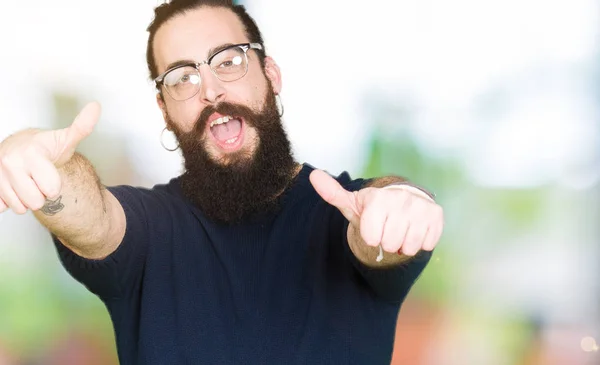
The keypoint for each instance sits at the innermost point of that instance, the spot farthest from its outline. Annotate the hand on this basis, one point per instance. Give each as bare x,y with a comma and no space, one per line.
396,219
29,162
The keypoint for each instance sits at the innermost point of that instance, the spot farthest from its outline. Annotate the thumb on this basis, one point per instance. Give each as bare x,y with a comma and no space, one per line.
83,125
333,193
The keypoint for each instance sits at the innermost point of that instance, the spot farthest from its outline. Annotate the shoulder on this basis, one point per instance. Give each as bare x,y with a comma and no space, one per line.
344,178
158,198
170,189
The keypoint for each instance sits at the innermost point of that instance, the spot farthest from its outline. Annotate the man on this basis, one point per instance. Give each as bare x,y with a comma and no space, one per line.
246,258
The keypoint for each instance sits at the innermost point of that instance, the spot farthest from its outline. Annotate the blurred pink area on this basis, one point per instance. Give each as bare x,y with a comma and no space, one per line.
6,358
78,348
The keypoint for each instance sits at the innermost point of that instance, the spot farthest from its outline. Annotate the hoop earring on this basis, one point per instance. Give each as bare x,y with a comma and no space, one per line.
280,107
162,143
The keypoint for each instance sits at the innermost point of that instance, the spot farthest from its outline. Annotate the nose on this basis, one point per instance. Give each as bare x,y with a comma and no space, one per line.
211,88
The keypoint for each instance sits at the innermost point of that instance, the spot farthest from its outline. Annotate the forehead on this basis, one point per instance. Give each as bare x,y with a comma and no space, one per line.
191,35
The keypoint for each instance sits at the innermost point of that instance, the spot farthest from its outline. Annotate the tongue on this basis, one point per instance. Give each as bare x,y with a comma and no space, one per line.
227,131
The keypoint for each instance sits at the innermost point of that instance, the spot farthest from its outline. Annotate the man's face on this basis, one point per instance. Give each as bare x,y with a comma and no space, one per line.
238,169
193,36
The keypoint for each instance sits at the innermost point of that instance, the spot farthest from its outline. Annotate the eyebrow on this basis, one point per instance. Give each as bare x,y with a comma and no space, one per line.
216,49
211,52
179,63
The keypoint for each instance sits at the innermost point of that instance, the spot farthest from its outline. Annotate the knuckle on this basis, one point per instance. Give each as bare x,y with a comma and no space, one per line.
400,197
53,191
30,153
409,251
17,157
412,239
6,161
430,246
48,186
11,162
439,213
4,194
390,246
37,204
369,240
386,194
20,210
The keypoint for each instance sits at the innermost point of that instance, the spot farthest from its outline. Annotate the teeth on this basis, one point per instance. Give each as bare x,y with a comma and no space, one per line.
220,121
230,141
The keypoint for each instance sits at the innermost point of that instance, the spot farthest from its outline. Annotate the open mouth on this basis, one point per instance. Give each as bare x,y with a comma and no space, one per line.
227,131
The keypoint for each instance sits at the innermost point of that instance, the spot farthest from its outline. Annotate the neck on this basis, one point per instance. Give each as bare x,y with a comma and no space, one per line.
297,170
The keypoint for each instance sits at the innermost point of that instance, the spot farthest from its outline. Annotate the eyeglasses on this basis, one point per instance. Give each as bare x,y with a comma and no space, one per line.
230,64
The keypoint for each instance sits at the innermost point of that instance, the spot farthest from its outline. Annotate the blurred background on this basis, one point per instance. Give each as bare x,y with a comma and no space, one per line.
494,105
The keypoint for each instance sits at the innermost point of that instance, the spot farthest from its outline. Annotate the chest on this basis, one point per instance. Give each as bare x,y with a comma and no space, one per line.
242,272
281,284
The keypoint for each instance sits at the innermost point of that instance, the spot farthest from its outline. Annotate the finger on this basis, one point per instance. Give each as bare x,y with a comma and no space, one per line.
414,239
11,199
428,242
333,193
46,177
18,181
3,206
27,191
432,239
83,125
394,233
435,231
372,222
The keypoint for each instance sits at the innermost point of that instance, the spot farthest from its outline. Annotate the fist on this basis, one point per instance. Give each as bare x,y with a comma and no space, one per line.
29,162
397,220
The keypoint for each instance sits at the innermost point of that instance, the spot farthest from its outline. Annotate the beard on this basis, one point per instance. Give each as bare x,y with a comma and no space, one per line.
245,183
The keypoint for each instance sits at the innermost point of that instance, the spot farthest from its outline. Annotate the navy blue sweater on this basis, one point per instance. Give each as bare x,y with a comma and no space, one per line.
284,289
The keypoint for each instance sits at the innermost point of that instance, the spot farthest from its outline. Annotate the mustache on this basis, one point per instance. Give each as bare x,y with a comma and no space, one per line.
225,108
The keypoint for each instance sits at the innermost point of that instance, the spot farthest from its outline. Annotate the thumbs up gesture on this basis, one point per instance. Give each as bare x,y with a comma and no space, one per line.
29,161
397,220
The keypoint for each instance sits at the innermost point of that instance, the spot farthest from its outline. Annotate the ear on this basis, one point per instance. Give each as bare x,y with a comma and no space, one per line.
273,74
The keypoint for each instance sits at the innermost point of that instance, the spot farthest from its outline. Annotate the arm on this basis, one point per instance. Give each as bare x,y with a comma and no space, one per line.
101,234
383,214
40,171
85,216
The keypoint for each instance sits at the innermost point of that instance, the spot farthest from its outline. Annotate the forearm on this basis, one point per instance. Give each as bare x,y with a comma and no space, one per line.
79,215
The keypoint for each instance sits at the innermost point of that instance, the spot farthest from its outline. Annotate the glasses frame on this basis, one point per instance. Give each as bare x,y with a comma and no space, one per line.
159,81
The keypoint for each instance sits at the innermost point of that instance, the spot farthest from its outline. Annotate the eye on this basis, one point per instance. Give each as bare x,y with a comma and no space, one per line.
189,78
235,61
182,76
226,64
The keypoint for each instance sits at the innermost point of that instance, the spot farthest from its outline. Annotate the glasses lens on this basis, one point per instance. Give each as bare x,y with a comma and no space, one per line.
182,83
230,64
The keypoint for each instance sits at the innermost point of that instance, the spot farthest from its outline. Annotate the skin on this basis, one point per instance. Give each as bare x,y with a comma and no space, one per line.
191,37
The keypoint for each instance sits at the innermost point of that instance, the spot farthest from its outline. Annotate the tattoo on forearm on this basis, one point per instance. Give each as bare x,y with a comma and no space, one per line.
52,207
